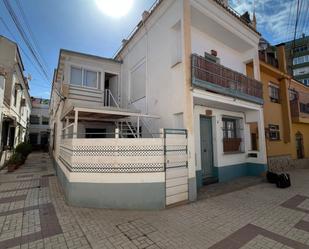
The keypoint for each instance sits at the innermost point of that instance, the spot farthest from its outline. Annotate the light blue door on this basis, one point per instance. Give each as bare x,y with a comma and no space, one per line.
206,146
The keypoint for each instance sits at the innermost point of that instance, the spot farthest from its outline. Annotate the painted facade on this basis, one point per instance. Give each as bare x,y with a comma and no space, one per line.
15,100
195,82
39,123
285,112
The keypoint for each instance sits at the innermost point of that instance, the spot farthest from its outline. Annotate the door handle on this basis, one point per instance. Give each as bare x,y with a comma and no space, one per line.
205,150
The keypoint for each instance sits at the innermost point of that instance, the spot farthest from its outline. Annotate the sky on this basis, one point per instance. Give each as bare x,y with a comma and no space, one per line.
81,26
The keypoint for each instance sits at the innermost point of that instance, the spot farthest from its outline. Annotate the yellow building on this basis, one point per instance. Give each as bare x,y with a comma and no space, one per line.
286,111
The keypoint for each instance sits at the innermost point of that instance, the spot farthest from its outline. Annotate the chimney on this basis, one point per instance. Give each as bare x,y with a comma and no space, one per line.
145,15
281,57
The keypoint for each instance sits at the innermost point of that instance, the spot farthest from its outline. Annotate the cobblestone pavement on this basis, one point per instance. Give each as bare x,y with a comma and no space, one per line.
33,214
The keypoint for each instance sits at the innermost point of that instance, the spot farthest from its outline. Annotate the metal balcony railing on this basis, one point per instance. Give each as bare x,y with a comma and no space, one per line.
217,78
299,105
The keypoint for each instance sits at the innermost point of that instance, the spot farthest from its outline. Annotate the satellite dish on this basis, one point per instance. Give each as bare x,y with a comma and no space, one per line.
29,77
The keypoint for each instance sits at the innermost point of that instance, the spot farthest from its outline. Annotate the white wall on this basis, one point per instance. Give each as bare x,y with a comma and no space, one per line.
98,65
164,82
202,42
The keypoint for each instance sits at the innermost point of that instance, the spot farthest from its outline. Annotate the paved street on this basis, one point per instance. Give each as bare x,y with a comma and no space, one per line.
33,214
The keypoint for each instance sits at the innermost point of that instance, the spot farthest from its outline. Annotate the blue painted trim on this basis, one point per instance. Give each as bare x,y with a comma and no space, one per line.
230,172
139,196
226,91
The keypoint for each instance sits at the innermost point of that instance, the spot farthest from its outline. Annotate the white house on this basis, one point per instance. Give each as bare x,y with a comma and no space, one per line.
39,123
182,69
15,99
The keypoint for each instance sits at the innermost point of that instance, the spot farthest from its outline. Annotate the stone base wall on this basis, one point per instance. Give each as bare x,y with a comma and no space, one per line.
286,163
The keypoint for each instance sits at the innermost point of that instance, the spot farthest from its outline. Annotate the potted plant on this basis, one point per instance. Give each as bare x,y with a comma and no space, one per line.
14,162
24,149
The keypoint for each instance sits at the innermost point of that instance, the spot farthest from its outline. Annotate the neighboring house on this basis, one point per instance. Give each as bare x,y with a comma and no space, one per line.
173,72
286,111
15,99
297,54
39,123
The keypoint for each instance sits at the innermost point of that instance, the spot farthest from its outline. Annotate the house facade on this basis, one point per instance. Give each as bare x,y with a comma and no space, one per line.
15,99
39,123
285,111
185,103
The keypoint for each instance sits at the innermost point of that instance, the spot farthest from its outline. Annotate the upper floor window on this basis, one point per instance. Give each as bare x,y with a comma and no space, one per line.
304,107
301,71
34,119
301,59
305,81
301,49
273,93
84,77
274,132
45,120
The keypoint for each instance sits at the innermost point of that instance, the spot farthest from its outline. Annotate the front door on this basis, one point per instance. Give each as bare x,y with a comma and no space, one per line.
206,147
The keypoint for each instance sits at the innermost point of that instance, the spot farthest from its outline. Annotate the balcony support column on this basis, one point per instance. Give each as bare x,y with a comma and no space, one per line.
256,67
75,124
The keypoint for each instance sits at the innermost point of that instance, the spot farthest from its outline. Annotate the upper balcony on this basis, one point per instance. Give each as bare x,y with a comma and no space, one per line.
219,79
268,58
299,106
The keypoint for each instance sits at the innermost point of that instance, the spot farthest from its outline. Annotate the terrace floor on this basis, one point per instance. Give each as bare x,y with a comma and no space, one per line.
34,214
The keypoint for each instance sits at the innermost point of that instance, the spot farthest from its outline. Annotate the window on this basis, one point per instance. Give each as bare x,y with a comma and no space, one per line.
274,132
304,108
15,96
90,79
229,128
305,81
45,120
34,119
301,59
274,93
301,49
76,76
301,71
84,77
231,135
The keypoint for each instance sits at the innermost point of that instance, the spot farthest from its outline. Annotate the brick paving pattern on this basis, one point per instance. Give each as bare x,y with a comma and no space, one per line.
34,214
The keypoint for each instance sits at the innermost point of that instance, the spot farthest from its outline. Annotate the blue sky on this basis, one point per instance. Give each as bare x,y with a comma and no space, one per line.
79,25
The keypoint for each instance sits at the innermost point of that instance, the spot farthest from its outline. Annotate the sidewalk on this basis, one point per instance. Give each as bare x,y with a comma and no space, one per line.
33,214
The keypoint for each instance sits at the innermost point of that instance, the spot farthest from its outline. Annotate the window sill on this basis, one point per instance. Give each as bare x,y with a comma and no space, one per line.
233,152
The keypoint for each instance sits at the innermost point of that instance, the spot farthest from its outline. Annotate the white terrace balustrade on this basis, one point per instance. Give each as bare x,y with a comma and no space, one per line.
161,160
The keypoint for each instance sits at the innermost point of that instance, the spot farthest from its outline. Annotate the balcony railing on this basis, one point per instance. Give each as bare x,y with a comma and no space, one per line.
299,106
264,56
217,78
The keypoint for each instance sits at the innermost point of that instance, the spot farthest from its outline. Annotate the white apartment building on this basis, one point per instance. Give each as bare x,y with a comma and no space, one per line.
183,69
14,97
39,123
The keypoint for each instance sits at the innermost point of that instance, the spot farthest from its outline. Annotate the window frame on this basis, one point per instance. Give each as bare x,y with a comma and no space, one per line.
275,129
83,69
226,130
36,116
271,87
